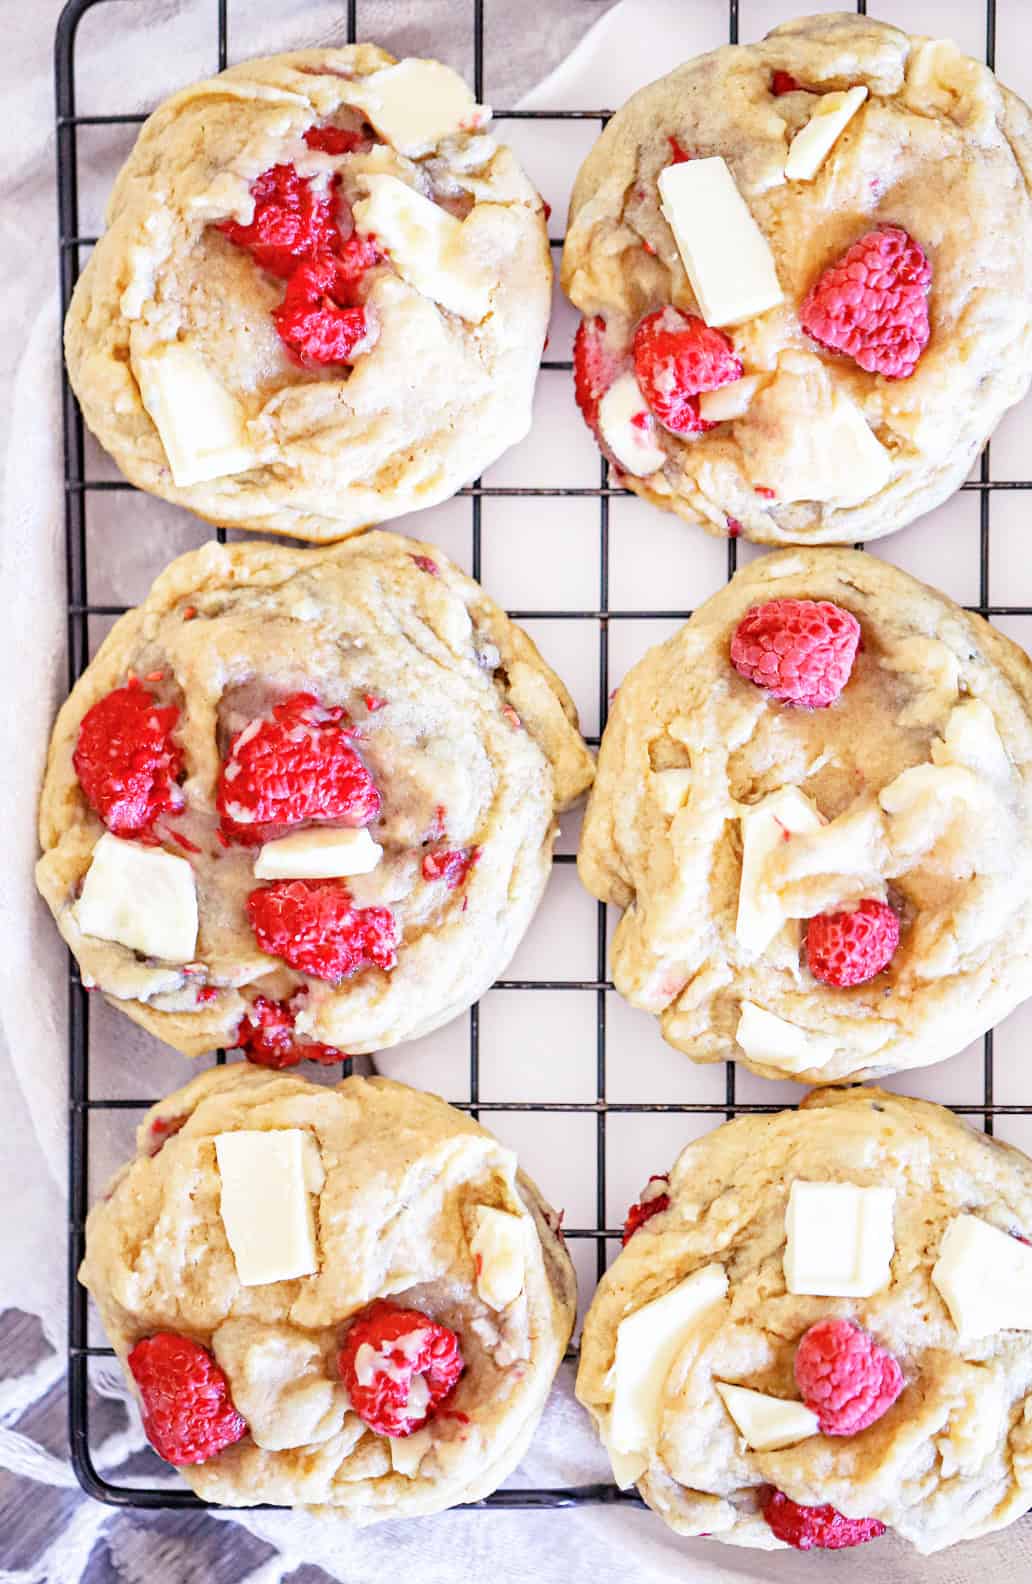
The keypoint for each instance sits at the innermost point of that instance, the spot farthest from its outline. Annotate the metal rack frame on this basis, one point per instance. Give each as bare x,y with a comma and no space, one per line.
78,490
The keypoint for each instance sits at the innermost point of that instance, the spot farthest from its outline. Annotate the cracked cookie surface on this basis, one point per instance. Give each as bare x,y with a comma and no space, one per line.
937,138
369,693
346,398
400,1177
913,788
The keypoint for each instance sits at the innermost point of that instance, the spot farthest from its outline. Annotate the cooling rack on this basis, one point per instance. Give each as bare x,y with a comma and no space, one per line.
595,1240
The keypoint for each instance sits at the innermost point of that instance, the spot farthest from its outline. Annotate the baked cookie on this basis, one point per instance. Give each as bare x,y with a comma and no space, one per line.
805,267
820,1327
304,801
347,1298
321,297
827,741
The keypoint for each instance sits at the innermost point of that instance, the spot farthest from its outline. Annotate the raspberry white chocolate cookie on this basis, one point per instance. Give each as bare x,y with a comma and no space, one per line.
320,299
824,1331
304,801
814,805
347,1298
805,270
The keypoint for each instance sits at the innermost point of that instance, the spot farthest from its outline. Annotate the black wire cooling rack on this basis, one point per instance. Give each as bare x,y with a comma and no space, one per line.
79,490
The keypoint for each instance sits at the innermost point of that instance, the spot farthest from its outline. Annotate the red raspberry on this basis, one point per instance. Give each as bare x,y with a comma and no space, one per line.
188,1413
845,1377
317,319
126,761
801,651
333,140
595,368
846,949
872,303
292,221
313,927
817,1528
451,867
265,1034
299,766
783,82
398,1367
645,1209
680,155
677,355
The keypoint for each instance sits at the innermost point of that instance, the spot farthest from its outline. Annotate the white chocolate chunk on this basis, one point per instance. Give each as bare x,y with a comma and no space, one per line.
765,826
407,1452
499,1252
427,246
767,1038
318,855
837,457
972,740
200,423
840,1239
933,670
280,1382
141,897
729,401
265,1203
647,1343
672,788
767,1423
813,143
416,103
628,428
984,1277
727,258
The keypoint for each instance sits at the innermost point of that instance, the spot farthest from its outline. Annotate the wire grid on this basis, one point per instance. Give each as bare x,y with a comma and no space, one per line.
78,490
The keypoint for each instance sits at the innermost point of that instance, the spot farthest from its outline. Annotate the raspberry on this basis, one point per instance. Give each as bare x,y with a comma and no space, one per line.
316,318
872,303
680,155
265,1034
298,766
801,651
188,1413
594,368
845,1377
817,1528
846,949
333,140
126,761
451,867
313,927
292,221
677,355
783,82
398,1367
427,565
645,1209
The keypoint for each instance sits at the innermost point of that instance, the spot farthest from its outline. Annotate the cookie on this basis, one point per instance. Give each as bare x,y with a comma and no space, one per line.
794,1349
321,297
805,267
348,1299
814,807
304,801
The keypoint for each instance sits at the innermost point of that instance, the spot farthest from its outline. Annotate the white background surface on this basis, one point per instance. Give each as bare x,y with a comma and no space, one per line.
537,555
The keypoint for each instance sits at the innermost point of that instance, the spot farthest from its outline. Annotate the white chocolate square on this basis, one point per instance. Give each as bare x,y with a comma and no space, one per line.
725,254
767,1423
318,855
840,1239
416,103
141,897
265,1205
984,1277
813,143
765,826
426,245
200,423
499,1253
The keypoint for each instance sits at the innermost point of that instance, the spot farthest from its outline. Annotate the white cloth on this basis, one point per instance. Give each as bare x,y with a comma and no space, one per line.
169,44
